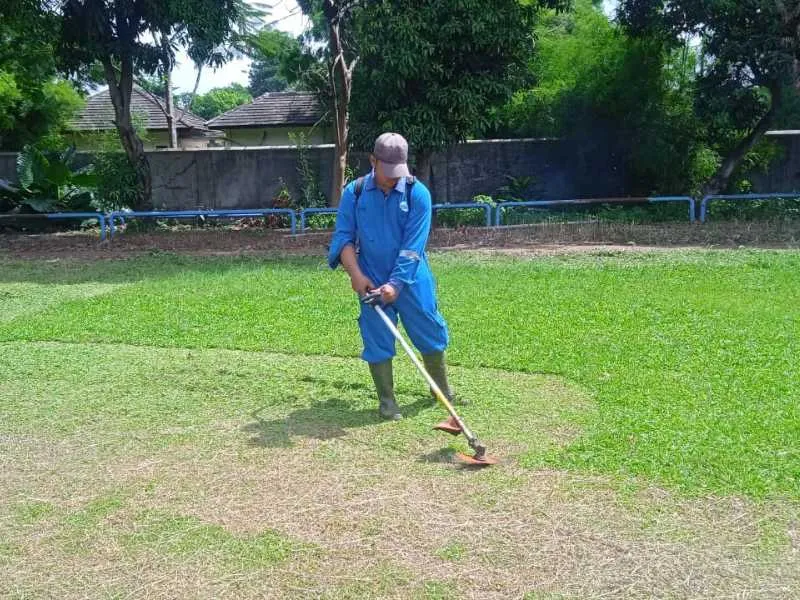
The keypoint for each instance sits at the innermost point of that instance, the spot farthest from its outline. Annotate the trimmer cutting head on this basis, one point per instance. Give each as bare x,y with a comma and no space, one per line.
479,459
448,427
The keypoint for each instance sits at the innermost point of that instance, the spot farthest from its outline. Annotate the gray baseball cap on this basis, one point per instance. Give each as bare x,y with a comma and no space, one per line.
392,150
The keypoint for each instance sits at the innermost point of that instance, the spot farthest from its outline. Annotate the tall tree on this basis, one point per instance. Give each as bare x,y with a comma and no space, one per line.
218,100
435,71
333,22
34,103
631,99
270,50
750,61
432,70
124,36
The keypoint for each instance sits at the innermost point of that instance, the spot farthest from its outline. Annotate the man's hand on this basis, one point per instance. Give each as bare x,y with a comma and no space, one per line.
361,284
388,293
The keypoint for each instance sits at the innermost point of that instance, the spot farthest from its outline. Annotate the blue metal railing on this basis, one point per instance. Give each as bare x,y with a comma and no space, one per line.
108,221
100,217
487,208
457,206
588,201
209,214
707,200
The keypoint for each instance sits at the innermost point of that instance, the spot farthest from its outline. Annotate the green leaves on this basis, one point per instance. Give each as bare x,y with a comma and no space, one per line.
436,69
220,100
47,184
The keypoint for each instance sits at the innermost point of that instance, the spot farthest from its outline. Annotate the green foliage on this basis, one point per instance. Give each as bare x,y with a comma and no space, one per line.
265,77
271,51
153,84
747,70
34,104
435,70
629,98
116,181
116,178
218,100
517,188
48,184
310,192
464,217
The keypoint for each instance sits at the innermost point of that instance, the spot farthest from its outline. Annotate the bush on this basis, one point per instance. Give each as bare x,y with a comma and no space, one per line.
48,183
464,217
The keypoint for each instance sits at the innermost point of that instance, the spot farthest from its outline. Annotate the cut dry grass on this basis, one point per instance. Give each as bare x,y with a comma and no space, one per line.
230,487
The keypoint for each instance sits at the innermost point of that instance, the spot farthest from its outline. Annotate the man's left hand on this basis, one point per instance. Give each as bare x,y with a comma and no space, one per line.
388,293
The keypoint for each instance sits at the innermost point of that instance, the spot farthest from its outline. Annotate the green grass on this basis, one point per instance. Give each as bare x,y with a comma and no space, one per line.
691,357
186,536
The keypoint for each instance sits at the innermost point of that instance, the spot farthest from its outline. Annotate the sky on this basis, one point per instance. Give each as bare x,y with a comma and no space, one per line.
287,17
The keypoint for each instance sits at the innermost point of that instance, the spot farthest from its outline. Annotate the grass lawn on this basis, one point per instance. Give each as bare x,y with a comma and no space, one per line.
202,427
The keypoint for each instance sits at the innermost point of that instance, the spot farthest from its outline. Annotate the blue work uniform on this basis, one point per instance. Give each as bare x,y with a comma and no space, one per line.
390,233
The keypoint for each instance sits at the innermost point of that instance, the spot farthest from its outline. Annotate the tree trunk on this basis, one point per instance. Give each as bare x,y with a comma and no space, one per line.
341,80
424,172
120,92
720,179
170,112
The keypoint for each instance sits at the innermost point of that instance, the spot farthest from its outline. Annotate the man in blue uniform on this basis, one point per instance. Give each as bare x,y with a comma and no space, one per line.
381,232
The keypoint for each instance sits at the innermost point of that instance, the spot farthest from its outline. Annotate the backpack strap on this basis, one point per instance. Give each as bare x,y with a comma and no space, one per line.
359,187
357,190
410,181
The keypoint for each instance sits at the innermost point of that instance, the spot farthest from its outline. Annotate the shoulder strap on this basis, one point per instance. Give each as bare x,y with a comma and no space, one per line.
359,187
357,190
410,181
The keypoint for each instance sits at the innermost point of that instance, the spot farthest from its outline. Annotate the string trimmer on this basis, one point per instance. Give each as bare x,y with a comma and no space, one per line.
456,425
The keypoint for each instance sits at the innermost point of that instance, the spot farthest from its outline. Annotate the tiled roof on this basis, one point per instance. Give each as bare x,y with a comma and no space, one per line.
272,108
99,113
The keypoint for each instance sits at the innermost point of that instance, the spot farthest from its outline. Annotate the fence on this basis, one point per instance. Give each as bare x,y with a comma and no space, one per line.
503,207
101,218
740,198
207,214
108,221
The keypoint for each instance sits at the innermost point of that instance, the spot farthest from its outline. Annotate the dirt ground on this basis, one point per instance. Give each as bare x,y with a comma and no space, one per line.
537,239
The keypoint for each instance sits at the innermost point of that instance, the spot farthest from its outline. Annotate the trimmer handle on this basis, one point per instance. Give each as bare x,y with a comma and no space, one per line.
372,298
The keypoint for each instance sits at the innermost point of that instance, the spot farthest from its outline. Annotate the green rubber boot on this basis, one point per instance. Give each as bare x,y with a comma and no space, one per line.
436,367
384,385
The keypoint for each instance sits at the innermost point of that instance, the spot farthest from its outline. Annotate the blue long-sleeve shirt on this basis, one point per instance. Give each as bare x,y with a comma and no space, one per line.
392,231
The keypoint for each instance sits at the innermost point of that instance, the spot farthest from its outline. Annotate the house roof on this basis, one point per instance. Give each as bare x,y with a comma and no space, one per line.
272,108
98,114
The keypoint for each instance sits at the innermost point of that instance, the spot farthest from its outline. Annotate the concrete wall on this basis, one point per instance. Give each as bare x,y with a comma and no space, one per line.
251,177
784,174
8,166
235,178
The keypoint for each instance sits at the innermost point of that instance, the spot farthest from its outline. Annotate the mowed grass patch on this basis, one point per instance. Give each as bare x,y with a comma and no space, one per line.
220,473
691,356
180,465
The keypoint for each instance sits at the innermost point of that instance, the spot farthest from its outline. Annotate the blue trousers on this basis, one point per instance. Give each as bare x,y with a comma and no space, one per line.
417,308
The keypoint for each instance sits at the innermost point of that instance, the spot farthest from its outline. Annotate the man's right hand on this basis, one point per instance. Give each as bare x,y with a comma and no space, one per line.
361,284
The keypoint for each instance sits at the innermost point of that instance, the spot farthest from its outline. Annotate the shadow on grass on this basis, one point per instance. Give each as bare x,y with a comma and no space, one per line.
323,420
